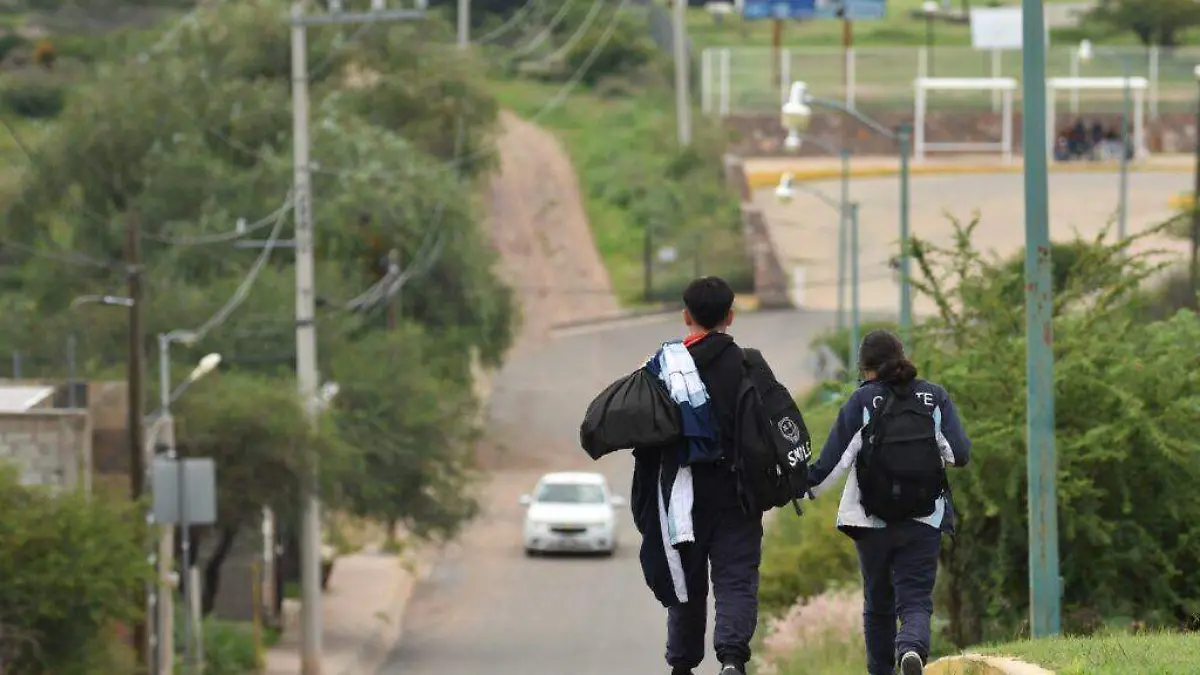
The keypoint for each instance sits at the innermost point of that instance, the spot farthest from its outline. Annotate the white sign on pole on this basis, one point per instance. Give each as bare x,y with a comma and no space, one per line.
996,28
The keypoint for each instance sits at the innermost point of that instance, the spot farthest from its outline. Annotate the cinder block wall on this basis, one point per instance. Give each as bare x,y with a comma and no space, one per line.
48,446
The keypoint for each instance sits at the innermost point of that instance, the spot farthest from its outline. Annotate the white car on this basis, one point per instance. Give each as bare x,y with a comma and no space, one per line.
571,512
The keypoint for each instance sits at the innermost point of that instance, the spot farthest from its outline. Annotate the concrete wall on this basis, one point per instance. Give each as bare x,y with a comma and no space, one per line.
49,447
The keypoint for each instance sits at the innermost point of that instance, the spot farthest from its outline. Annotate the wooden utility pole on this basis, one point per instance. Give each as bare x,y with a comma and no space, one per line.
393,264
134,378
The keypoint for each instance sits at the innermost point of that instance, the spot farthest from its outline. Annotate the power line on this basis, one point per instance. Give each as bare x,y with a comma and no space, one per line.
238,233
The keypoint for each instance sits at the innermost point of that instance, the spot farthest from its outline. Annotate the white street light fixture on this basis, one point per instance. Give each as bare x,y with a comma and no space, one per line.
796,115
786,189
930,7
207,364
1086,53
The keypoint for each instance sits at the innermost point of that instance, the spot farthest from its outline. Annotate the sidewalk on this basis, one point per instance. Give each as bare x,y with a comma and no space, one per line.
363,611
975,664
765,171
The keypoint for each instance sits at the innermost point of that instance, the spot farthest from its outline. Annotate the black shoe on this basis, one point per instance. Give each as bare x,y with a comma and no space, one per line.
682,671
733,669
911,664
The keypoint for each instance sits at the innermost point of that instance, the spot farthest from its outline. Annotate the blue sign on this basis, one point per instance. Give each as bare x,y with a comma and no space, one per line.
854,10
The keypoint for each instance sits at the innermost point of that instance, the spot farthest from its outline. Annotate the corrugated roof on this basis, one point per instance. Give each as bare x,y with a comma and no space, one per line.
19,398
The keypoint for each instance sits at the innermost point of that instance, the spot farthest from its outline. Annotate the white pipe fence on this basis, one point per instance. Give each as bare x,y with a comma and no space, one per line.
740,80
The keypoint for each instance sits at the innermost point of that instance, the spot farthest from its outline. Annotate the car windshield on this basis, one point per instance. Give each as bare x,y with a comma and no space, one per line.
571,493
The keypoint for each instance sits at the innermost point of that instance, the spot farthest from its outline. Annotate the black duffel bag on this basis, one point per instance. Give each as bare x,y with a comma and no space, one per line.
636,411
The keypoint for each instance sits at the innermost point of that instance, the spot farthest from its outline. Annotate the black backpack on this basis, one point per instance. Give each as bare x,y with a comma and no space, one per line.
772,445
900,468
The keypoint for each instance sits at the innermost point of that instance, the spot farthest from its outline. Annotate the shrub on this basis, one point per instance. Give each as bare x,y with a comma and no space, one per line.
10,42
229,648
839,340
71,566
826,629
1127,396
33,97
45,54
600,54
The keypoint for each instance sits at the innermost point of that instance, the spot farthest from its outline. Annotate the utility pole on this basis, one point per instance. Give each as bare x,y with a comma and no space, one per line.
306,329
464,23
393,264
1195,270
135,366
1045,588
683,103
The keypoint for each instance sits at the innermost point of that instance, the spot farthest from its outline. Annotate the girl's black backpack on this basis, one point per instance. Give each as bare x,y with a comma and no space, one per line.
900,469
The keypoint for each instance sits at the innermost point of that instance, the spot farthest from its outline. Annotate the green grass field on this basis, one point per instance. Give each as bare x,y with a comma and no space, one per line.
1158,654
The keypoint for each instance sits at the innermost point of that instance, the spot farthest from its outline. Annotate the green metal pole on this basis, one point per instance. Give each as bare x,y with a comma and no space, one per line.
855,326
1044,582
905,138
1126,111
843,217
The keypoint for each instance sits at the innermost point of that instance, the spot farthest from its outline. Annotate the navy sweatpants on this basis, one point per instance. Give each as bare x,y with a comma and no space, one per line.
730,541
899,568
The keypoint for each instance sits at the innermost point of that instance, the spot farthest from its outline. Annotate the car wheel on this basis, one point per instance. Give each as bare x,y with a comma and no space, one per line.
531,553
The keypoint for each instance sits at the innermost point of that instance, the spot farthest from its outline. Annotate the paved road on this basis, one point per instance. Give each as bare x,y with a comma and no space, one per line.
806,230
487,610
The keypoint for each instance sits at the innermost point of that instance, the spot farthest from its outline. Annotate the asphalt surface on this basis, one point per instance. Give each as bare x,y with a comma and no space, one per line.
487,609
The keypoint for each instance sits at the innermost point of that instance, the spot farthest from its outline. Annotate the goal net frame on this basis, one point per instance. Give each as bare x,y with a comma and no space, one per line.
1006,86
1138,87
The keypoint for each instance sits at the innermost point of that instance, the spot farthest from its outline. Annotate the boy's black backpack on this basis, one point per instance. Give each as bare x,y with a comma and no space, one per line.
772,445
900,468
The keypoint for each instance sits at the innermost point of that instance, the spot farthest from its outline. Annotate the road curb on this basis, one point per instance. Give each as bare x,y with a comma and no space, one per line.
770,177
977,664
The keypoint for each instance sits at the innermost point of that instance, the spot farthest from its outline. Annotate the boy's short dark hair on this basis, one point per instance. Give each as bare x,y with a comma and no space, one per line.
708,300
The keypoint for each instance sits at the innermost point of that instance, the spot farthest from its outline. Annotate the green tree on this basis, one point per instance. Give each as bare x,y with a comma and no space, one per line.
71,564
256,432
1126,392
1155,23
408,409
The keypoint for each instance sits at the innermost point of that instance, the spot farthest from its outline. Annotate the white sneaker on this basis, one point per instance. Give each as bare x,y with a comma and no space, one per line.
911,664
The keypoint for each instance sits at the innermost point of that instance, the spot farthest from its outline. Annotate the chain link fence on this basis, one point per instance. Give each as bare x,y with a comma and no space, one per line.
754,80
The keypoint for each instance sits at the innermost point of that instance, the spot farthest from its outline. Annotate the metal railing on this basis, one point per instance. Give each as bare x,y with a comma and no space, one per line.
746,80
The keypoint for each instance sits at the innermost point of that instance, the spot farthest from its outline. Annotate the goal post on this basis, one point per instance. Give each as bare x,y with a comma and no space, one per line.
1138,87
1005,86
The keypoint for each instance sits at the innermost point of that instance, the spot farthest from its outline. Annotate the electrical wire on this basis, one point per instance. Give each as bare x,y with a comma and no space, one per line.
238,233
243,290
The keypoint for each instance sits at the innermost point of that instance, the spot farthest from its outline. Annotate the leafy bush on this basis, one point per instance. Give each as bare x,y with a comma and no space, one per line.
33,96
71,566
10,42
1127,397
599,54
229,648
804,557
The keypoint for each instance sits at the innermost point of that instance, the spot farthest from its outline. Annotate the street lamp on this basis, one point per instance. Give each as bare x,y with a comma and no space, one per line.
1086,54
786,192
796,118
930,9
166,425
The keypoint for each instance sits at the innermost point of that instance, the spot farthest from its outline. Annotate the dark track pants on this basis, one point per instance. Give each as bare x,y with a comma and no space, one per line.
731,541
899,568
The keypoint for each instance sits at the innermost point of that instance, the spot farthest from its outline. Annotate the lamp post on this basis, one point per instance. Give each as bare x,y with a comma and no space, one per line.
166,548
1086,54
796,118
1195,272
930,9
794,142
848,212
1045,585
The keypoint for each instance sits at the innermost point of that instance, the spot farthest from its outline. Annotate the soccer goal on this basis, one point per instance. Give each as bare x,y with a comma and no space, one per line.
1005,85
1137,87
